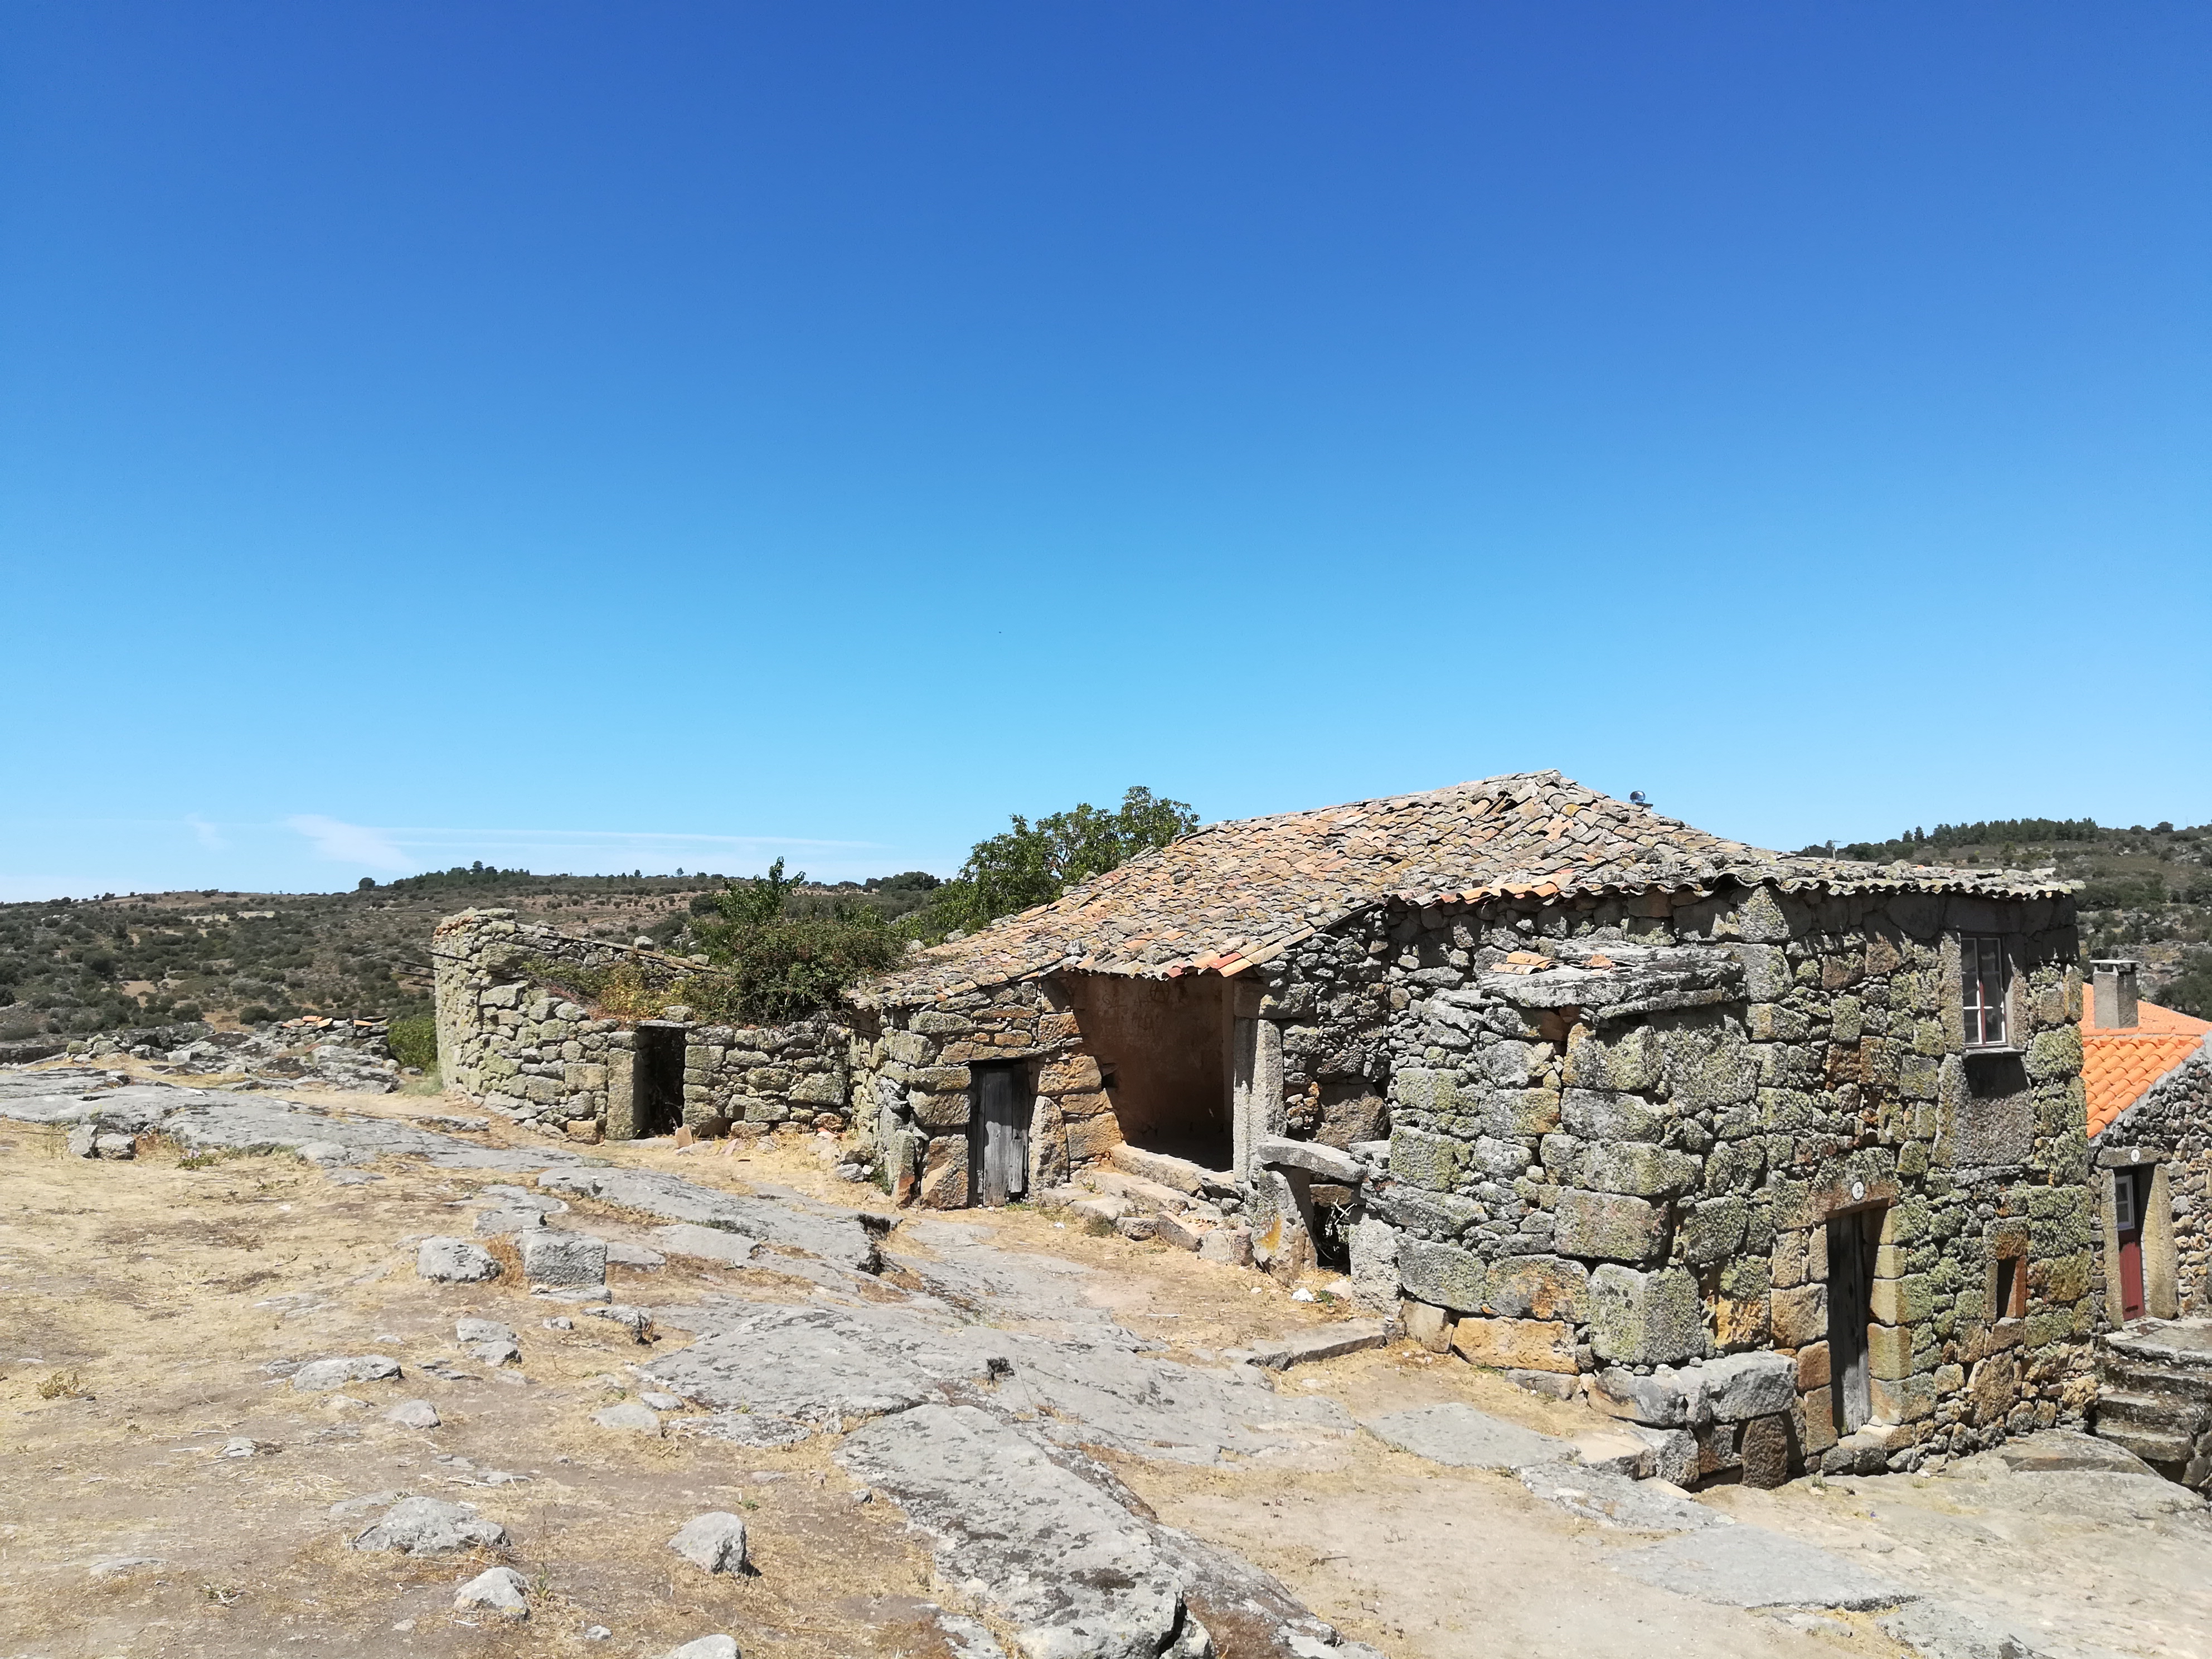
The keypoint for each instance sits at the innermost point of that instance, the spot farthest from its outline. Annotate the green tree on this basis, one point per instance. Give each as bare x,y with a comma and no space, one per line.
1033,864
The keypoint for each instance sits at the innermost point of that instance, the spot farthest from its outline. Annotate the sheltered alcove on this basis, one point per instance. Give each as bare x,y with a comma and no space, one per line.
1163,1047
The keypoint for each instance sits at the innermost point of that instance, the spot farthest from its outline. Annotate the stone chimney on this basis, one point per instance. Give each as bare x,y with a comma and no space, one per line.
2115,1007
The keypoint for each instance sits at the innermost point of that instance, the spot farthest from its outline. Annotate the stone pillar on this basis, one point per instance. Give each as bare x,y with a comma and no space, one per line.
1243,1051
2161,1297
622,1088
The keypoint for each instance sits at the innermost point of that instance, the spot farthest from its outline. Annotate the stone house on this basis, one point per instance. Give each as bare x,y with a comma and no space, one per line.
1781,1158
2148,1075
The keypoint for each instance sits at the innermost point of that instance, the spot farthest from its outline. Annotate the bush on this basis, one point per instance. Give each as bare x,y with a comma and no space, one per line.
782,967
414,1040
254,1014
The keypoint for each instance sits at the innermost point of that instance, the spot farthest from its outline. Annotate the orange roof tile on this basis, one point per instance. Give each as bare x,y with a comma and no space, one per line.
2120,1063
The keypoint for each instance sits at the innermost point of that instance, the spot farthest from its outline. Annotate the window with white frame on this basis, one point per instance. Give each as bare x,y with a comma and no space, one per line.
1982,984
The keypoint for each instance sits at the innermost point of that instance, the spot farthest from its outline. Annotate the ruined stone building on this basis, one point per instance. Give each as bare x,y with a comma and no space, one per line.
1781,1160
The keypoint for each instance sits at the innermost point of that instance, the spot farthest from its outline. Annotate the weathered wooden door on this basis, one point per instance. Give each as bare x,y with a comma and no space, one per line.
1852,1240
1002,1141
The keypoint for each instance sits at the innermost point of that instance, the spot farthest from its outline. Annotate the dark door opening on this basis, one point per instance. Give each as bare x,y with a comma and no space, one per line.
2131,1198
659,1078
1852,1241
999,1142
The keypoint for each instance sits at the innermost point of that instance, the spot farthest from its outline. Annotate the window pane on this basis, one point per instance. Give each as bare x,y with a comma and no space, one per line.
1993,1021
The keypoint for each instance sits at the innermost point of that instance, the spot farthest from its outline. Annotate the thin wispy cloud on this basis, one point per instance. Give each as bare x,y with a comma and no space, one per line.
210,836
350,843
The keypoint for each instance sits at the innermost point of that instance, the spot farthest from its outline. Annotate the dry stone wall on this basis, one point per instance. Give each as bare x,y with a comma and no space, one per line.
513,1039
914,1087
1618,1129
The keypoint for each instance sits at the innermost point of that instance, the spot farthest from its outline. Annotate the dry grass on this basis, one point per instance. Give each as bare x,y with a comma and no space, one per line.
151,1292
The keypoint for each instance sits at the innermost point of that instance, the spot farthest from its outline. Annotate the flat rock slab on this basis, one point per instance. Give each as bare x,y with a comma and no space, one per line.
1465,1438
1751,1567
1076,1575
1618,1500
1281,1353
2057,1451
707,1243
211,1121
842,1236
774,1374
1937,1630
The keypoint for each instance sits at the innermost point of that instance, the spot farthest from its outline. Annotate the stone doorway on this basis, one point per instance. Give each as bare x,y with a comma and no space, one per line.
2130,1203
999,1140
1853,1239
658,1077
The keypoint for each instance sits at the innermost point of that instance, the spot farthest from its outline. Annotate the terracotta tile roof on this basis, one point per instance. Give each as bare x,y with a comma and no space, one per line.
1230,895
2120,1063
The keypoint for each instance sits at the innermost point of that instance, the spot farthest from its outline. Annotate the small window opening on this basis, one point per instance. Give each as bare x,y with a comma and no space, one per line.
1982,986
2012,1288
1334,1214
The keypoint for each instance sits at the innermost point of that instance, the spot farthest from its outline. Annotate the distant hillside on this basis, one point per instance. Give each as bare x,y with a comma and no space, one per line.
73,966
2147,890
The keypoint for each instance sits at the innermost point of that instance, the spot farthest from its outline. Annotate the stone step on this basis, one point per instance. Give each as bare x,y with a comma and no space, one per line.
1082,1203
1146,1194
2164,1452
1328,1342
2150,1414
1179,1173
2138,1376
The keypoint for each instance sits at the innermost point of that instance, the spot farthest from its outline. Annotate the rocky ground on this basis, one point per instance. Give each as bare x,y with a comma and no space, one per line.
701,1396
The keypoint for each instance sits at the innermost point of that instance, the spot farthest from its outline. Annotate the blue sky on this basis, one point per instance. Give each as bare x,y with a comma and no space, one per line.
651,436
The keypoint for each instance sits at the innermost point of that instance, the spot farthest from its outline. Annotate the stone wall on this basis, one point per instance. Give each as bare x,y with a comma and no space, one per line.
1618,1129
2171,1128
513,1039
914,1087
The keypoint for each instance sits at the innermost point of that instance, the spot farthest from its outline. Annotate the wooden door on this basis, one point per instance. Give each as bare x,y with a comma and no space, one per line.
2129,1190
1852,1240
1001,1146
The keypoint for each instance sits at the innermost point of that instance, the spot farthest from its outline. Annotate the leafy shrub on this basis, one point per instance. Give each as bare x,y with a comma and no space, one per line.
255,1014
781,966
414,1040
